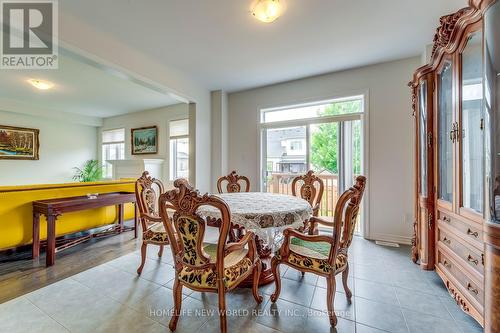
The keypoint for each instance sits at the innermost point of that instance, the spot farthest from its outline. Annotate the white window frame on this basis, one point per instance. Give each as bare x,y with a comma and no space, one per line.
363,116
176,137
103,143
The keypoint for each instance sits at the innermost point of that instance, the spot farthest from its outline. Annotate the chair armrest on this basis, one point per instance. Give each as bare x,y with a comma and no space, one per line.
151,218
310,238
249,239
316,220
316,209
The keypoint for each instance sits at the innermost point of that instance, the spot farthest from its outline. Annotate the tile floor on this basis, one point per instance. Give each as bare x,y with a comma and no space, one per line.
390,295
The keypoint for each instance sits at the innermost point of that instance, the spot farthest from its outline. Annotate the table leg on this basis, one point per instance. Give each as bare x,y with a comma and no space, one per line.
51,240
120,216
136,222
36,236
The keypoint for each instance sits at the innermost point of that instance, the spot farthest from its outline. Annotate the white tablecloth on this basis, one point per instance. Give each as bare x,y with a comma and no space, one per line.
266,214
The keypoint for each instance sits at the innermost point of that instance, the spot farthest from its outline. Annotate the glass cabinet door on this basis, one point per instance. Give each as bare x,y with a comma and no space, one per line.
422,123
445,121
472,122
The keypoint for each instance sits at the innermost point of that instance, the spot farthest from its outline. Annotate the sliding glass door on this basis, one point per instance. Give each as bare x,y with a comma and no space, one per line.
326,138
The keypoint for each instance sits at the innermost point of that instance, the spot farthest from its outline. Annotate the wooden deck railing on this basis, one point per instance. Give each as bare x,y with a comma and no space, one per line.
282,183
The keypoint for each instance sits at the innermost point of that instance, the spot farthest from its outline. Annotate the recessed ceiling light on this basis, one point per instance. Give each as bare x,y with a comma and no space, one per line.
41,84
267,11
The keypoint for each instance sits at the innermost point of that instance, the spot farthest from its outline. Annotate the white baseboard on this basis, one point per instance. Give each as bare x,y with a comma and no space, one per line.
390,238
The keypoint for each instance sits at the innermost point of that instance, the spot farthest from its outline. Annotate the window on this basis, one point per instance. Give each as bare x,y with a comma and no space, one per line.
179,149
326,137
113,148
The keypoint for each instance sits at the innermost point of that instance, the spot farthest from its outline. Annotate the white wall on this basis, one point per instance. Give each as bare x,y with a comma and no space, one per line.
390,182
220,138
159,117
63,145
79,37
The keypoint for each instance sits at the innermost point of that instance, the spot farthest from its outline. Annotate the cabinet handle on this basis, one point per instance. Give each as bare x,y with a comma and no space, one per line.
447,241
472,289
472,233
446,219
472,260
446,264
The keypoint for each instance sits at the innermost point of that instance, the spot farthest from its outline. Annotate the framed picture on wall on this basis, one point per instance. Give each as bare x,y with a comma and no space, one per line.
144,140
18,143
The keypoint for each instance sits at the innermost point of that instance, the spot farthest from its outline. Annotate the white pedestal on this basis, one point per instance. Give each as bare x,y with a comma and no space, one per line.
134,168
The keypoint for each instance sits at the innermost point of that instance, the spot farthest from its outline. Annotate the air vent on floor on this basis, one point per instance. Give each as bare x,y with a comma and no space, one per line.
387,244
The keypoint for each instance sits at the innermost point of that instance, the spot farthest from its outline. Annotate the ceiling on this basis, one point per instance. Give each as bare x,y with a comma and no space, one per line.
219,43
81,88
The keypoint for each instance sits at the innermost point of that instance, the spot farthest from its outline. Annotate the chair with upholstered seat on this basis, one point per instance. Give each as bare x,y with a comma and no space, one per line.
324,255
233,183
147,191
197,267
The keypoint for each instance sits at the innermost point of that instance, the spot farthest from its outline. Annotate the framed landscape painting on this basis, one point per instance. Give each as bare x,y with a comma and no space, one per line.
144,140
17,143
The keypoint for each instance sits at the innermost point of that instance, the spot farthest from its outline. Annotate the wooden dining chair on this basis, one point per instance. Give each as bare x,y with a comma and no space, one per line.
196,266
233,183
147,191
311,189
323,255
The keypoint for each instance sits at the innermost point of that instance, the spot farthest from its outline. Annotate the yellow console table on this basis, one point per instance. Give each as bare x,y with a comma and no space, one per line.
16,210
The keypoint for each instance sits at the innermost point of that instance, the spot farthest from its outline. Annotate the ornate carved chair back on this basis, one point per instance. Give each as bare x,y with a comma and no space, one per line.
340,212
311,189
352,212
233,183
187,228
147,192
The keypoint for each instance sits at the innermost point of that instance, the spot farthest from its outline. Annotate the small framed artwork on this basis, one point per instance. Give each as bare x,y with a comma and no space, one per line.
18,143
144,140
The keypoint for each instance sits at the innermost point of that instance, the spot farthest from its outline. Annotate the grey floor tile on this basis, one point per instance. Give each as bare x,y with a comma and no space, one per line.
360,328
292,291
152,254
418,322
121,286
338,278
296,275
321,323
161,274
20,315
194,314
342,307
464,321
285,317
380,315
469,326
237,324
157,306
130,262
375,273
422,302
375,291
64,294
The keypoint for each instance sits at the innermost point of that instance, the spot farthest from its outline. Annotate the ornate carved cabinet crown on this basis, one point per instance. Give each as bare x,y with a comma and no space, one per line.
448,106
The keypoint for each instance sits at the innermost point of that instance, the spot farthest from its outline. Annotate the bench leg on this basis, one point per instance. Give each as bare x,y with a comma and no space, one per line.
35,251
51,240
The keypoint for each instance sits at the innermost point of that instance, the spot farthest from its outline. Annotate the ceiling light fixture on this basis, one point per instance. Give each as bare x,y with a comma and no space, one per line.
267,11
40,84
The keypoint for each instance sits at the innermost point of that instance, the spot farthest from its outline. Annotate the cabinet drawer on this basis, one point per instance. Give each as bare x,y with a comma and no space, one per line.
471,289
468,231
470,255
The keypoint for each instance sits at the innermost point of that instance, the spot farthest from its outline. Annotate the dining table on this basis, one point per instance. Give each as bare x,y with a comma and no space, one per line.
266,215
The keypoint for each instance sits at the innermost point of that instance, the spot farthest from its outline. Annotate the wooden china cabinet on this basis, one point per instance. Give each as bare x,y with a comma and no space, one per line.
450,200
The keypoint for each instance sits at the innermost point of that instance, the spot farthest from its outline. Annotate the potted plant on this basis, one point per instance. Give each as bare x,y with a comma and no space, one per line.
90,172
